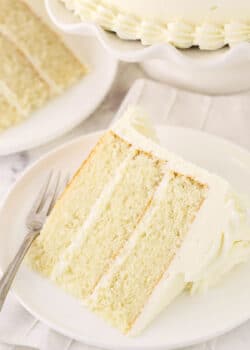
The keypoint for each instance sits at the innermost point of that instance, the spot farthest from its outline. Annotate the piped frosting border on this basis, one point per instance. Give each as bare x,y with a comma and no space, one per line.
207,36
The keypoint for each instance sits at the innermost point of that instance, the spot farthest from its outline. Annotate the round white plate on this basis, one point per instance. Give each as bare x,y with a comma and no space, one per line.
189,319
224,71
72,107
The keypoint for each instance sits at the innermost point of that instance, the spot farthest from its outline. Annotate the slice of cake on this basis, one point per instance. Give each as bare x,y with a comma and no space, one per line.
42,46
137,226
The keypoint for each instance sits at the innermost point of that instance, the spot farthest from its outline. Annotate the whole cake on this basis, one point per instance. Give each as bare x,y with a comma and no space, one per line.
137,226
209,24
35,64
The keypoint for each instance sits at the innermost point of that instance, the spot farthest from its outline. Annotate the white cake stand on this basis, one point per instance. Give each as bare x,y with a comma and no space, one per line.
225,71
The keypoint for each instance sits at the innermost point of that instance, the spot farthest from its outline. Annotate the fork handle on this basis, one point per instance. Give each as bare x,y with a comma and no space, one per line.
10,273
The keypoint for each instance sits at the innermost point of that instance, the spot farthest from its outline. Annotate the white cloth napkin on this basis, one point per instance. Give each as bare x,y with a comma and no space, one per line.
225,116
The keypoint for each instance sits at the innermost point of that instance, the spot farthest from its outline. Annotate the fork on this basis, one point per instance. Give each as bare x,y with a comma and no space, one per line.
50,191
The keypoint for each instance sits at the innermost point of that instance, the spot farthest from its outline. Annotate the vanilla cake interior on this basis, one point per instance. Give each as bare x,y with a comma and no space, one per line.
35,64
137,225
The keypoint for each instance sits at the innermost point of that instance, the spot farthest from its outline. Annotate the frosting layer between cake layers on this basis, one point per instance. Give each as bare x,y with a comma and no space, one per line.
207,24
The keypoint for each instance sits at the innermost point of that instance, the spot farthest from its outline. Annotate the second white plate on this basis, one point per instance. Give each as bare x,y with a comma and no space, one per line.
188,320
66,111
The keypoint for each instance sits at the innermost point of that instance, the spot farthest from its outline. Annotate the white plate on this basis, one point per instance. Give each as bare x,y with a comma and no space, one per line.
189,319
76,104
224,71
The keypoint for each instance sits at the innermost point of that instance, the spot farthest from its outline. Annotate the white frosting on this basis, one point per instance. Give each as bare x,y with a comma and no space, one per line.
210,250
209,24
218,239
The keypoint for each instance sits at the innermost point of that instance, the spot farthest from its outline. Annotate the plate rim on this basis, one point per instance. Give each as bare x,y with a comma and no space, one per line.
95,342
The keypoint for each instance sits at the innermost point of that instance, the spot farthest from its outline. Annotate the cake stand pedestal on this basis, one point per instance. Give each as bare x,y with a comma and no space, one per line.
213,73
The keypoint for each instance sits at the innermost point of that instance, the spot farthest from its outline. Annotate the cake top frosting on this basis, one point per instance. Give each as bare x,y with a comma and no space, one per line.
192,11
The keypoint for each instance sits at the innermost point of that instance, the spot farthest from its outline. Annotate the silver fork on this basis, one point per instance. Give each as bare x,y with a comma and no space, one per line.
52,188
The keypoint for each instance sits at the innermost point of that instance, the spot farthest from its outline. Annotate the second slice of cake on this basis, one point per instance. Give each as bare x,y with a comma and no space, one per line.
36,65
